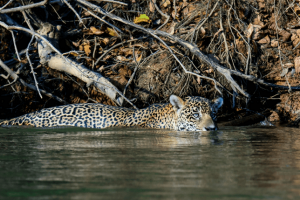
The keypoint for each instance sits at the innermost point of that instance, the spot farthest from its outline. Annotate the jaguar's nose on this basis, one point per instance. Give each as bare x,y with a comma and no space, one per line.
211,128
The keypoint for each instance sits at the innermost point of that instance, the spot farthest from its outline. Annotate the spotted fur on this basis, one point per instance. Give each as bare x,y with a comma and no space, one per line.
192,114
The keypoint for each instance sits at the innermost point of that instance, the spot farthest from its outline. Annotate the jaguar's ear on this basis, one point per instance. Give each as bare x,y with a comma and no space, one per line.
217,103
176,102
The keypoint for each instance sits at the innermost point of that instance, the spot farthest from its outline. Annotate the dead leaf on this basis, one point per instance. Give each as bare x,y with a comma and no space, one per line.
265,40
295,39
202,30
101,68
261,4
185,10
172,28
86,14
255,48
96,31
209,71
257,21
297,64
76,44
151,5
241,47
138,58
173,14
254,32
105,41
74,54
122,58
288,65
87,49
296,9
284,72
274,43
166,3
198,80
294,36
285,35
111,32
142,18
249,30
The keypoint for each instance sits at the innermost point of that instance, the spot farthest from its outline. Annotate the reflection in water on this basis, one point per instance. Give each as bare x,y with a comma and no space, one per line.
232,163
277,155
128,139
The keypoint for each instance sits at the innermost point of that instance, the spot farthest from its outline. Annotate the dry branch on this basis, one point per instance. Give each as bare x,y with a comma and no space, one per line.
9,10
32,87
227,73
59,62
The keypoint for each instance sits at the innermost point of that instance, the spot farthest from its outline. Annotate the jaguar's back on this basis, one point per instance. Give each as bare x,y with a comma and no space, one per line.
89,115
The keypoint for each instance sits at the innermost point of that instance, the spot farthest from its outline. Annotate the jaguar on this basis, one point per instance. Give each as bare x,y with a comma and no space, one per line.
192,113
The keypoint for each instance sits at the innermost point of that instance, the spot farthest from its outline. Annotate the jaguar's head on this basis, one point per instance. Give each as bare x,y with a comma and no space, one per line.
195,113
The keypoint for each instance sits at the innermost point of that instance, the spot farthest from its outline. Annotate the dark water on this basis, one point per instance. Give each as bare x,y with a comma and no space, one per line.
128,163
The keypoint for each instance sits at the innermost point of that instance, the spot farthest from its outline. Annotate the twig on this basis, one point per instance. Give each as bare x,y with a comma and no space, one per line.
137,64
235,13
94,52
101,19
15,77
75,12
106,52
27,55
149,31
118,2
27,20
248,48
197,28
84,72
59,17
77,52
200,24
9,10
160,12
175,10
30,64
296,46
190,18
194,50
8,83
79,86
5,5
15,45
279,50
224,38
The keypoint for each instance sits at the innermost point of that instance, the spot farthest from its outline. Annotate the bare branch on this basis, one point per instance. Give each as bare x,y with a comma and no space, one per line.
9,10
32,87
75,12
5,5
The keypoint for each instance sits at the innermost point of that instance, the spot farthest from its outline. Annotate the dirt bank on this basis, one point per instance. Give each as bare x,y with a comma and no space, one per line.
248,52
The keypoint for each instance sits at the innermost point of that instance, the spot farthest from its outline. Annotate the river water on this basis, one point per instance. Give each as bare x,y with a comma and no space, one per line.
133,163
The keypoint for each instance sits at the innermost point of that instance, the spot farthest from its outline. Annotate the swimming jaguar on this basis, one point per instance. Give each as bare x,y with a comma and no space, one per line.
193,113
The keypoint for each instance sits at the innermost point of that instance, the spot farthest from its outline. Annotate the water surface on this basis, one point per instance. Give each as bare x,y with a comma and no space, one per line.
132,163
